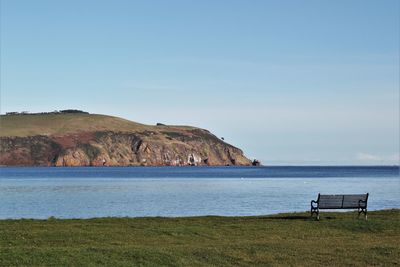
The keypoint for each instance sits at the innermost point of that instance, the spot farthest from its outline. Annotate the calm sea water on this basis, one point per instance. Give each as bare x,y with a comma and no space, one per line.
185,191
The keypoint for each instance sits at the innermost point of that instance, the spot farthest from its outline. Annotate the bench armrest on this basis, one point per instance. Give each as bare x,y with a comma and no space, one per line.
362,201
314,202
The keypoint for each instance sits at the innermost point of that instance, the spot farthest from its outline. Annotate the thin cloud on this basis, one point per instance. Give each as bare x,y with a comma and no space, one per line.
368,157
395,157
371,158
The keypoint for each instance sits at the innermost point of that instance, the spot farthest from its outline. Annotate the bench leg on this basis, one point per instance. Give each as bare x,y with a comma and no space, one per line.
315,211
361,210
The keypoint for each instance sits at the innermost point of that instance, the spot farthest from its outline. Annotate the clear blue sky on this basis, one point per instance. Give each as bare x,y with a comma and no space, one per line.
289,82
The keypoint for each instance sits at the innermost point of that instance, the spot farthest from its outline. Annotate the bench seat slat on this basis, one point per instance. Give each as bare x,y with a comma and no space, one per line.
330,201
353,201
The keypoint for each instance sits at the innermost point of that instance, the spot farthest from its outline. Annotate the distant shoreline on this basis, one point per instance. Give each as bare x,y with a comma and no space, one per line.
206,166
300,214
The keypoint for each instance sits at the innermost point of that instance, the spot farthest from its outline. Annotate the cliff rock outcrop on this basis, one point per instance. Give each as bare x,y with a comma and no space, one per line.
146,146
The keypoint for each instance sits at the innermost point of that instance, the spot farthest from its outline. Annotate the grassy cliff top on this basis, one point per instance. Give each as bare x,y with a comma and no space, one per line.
49,124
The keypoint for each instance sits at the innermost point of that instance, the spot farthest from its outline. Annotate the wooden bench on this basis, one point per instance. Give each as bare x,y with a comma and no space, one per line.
358,202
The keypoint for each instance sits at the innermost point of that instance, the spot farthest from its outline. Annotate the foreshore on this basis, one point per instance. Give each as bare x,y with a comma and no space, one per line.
284,239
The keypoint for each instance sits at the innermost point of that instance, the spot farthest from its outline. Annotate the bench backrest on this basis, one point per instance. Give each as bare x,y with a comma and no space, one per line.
342,201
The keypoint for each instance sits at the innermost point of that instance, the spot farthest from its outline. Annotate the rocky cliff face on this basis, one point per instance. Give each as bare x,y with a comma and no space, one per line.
165,147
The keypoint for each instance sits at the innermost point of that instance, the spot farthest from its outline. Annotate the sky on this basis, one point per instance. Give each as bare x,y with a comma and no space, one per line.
289,82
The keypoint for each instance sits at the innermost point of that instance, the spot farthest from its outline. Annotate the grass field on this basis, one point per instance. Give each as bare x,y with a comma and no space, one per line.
49,124
339,239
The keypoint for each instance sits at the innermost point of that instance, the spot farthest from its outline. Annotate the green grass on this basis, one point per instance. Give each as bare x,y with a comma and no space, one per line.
339,239
50,124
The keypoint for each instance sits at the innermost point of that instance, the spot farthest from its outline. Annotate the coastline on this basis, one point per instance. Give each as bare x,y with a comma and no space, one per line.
281,215
209,166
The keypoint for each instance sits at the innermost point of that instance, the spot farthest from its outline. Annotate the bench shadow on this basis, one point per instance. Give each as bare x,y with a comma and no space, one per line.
298,217
289,217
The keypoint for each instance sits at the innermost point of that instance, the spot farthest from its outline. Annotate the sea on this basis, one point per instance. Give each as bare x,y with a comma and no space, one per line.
88,192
